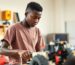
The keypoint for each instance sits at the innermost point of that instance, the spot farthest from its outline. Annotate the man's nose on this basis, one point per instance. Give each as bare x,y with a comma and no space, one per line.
36,20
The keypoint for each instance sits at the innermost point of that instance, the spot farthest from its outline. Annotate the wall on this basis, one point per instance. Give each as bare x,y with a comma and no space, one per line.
70,20
58,16
64,11
69,10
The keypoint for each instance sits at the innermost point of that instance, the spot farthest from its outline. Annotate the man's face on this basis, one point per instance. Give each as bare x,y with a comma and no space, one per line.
33,17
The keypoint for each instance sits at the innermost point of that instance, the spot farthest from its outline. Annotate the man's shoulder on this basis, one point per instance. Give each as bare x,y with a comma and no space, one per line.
14,26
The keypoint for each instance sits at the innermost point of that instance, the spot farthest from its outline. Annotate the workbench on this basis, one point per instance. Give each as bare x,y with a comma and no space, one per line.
19,52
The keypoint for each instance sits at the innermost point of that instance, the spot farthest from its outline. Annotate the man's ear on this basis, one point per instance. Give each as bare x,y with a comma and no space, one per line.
26,13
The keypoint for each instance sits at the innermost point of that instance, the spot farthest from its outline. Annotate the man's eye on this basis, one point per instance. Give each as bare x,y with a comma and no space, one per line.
33,17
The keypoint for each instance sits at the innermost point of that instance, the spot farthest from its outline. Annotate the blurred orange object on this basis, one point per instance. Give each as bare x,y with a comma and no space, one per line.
6,15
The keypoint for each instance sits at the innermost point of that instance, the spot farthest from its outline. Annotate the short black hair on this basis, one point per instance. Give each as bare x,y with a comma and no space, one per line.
34,6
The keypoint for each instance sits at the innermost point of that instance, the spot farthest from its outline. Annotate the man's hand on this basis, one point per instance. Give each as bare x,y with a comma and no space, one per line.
26,56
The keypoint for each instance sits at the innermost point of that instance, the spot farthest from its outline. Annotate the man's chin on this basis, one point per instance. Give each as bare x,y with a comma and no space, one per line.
33,25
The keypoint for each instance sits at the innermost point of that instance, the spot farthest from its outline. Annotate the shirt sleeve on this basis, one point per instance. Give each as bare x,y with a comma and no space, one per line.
41,43
9,35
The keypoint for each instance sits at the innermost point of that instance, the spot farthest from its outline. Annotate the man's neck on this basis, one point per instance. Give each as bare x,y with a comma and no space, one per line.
25,24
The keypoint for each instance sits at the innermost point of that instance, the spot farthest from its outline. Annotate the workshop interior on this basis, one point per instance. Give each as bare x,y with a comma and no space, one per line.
57,25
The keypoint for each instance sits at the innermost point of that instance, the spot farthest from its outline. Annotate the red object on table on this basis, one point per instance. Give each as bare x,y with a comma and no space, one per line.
57,60
2,60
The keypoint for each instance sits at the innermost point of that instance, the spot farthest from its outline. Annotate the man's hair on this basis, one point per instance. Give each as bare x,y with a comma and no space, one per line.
34,6
70,61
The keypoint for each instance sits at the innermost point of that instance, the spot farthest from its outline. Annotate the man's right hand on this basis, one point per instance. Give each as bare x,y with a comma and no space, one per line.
26,56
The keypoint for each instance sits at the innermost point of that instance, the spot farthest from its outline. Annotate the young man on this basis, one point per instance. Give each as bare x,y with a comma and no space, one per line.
25,35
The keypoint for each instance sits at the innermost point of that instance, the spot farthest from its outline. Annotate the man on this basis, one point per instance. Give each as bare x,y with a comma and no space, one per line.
25,35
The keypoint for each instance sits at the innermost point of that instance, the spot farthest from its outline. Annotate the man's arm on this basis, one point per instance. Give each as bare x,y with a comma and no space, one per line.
6,43
9,37
7,51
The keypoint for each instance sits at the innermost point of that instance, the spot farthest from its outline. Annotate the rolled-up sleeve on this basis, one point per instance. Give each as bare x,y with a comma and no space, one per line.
9,35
